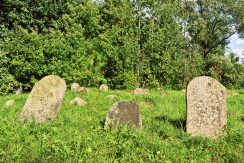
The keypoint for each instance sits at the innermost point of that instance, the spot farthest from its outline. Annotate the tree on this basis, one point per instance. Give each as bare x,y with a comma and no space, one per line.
210,23
37,14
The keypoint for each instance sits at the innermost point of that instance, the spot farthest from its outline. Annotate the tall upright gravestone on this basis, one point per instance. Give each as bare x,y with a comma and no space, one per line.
206,107
45,99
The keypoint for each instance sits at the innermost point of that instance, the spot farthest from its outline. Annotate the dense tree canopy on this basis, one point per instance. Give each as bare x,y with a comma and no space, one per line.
124,43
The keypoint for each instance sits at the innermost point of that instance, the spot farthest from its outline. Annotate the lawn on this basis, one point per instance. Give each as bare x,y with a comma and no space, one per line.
77,134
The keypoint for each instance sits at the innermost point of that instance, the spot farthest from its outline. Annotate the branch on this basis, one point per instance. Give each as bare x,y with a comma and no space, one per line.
223,39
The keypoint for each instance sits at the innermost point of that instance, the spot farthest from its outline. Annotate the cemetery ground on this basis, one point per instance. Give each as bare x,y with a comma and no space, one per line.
78,134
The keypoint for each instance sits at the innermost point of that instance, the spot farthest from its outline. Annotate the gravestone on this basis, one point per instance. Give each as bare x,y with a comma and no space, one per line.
140,91
45,99
206,107
103,87
124,112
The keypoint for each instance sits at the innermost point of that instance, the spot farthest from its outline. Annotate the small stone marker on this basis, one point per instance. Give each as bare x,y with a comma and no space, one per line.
9,103
75,87
124,112
45,99
103,87
140,91
84,90
78,101
206,107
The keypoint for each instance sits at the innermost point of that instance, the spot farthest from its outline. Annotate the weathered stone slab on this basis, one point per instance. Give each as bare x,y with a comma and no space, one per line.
206,107
45,99
124,112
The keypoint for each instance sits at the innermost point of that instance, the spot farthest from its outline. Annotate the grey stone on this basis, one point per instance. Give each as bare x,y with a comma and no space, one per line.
124,112
103,87
75,87
84,90
140,91
45,99
78,101
206,107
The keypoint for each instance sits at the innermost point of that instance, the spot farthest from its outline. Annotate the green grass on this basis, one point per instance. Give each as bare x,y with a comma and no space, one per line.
77,134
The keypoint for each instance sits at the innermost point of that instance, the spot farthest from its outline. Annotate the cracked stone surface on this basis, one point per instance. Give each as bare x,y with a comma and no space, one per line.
124,112
45,99
206,107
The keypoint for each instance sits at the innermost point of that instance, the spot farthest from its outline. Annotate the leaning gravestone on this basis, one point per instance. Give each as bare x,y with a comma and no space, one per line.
45,99
124,112
206,107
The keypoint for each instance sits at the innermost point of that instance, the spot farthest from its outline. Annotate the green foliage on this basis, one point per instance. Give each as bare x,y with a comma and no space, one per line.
37,14
125,43
130,80
225,70
77,133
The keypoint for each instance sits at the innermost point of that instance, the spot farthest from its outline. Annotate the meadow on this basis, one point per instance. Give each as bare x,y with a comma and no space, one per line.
78,135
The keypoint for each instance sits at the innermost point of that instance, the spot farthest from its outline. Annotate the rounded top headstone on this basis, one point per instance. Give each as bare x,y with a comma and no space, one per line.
203,82
124,112
44,100
206,107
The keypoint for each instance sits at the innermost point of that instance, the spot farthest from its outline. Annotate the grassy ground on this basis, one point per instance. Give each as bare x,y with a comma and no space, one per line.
77,133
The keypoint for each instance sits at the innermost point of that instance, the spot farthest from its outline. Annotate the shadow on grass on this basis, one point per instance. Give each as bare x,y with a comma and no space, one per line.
178,123
102,123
